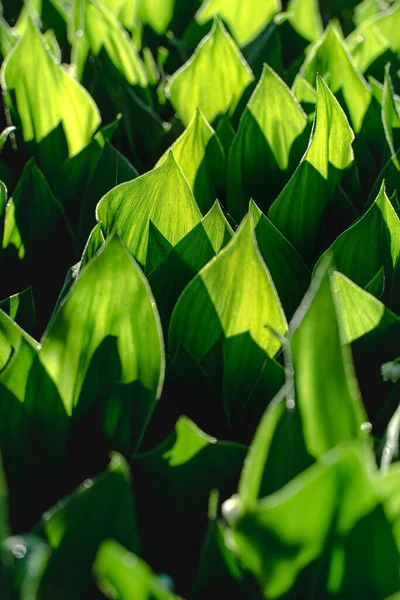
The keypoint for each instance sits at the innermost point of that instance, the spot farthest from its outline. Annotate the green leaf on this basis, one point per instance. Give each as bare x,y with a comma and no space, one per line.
111,169
200,155
267,467
126,575
106,310
99,509
162,196
104,31
46,98
304,537
232,301
366,45
359,311
26,559
332,413
289,273
372,242
157,14
182,471
298,210
305,18
94,243
391,117
213,79
329,55
267,147
5,134
21,309
186,259
245,21
229,299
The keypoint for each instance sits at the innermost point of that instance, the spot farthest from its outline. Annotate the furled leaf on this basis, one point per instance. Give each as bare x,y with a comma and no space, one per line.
372,242
298,210
359,311
329,55
186,259
162,196
213,79
290,540
305,18
331,414
50,103
245,20
200,155
109,308
99,509
289,273
267,147
127,575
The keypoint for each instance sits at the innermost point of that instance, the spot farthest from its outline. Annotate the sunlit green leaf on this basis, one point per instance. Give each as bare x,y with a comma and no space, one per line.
127,575
245,20
233,300
45,97
298,210
316,521
331,414
21,309
157,14
120,317
268,145
213,79
329,55
305,18
162,196
200,155
186,259
359,311
289,273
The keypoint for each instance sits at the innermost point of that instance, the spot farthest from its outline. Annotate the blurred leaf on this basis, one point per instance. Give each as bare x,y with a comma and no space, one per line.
372,242
157,14
55,112
127,576
162,196
331,414
26,558
391,117
200,155
100,508
245,21
213,79
5,134
103,30
267,147
305,18
96,323
298,210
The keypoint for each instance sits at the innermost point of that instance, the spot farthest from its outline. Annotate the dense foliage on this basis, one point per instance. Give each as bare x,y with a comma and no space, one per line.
200,225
